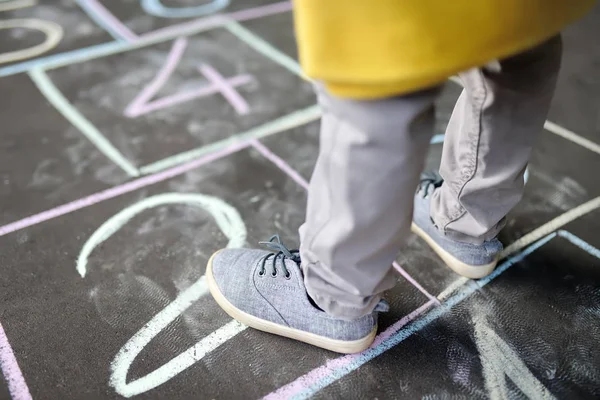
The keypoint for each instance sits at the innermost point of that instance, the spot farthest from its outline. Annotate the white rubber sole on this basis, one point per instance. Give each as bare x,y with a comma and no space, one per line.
339,346
461,268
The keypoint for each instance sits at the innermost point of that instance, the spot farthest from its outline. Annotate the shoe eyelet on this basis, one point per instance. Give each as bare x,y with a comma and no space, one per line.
274,274
261,273
288,276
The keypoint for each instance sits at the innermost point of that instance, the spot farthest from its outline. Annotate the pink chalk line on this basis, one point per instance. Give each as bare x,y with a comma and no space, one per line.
278,161
415,283
141,104
112,21
119,190
10,369
307,380
135,107
226,87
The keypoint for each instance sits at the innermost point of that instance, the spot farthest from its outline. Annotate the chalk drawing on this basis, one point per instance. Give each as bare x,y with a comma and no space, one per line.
551,226
52,30
125,357
142,104
232,226
279,162
310,383
499,361
580,243
160,35
573,137
190,161
226,87
444,294
10,369
226,217
265,48
156,8
414,282
292,389
8,5
106,20
284,123
62,105
307,385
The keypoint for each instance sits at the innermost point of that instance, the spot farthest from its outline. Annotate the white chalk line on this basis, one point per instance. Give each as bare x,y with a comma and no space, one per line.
16,4
226,217
62,105
264,47
52,30
280,124
128,353
231,224
572,136
499,360
533,236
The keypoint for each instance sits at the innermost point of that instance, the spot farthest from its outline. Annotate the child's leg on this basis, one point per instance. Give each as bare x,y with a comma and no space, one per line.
489,141
360,197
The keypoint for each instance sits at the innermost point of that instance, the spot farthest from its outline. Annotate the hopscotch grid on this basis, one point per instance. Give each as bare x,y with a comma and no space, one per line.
212,152
55,97
147,39
577,215
320,377
49,90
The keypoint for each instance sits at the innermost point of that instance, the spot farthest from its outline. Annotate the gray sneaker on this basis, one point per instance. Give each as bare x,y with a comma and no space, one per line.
265,290
469,260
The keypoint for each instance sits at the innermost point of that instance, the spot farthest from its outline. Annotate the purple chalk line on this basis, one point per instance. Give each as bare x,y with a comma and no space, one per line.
275,159
183,97
10,369
141,104
111,20
226,87
307,380
415,283
134,108
119,190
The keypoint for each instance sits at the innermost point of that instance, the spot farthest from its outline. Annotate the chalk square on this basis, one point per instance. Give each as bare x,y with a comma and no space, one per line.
135,273
113,82
44,160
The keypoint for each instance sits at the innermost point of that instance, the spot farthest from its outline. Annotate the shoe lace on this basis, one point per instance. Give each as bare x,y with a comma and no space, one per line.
429,180
280,253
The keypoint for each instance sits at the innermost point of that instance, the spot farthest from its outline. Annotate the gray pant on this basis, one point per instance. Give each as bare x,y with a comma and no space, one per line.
372,152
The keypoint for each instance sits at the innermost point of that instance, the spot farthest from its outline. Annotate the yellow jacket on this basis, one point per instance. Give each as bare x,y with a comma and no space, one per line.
377,48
